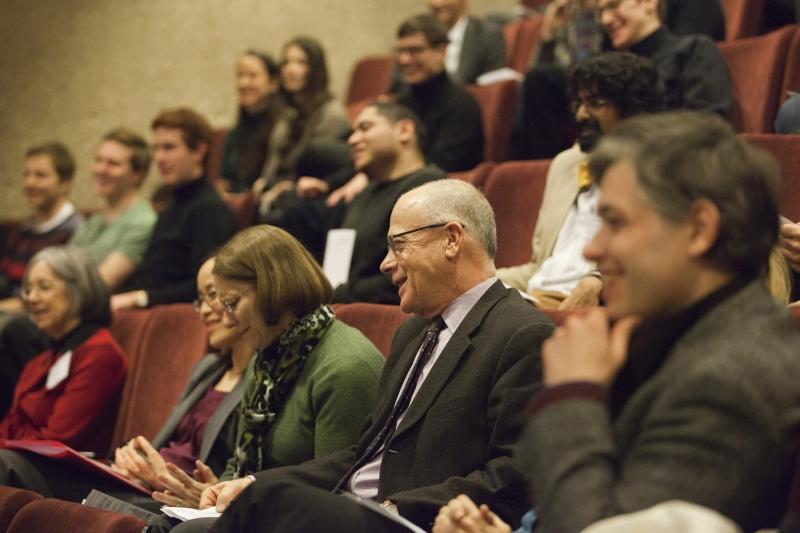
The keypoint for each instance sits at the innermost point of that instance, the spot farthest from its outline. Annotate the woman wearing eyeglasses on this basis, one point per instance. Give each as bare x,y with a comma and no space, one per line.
313,381
70,392
197,440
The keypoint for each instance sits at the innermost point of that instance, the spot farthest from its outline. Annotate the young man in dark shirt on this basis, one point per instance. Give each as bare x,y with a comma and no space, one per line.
385,147
195,222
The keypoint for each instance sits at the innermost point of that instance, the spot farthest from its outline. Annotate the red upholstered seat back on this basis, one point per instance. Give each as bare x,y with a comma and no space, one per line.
786,149
173,340
370,78
757,66
742,18
12,500
57,516
477,176
377,322
497,102
791,76
522,39
515,190
244,208
214,159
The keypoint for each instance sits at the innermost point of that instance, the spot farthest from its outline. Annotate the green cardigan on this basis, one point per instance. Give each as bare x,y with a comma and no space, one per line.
333,395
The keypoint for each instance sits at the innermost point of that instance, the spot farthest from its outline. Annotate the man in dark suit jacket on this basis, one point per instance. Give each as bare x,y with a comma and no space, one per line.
456,436
476,47
691,392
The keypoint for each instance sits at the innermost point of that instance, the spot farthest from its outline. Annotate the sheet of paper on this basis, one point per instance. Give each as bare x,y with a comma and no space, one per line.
187,513
338,254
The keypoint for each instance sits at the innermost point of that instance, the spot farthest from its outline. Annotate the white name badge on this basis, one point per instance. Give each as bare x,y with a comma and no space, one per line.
59,371
338,254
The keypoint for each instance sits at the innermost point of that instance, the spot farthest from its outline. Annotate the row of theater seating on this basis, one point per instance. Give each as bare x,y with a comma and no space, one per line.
763,70
152,385
515,190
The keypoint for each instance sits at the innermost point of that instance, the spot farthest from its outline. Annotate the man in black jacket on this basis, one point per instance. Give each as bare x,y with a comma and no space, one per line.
195,222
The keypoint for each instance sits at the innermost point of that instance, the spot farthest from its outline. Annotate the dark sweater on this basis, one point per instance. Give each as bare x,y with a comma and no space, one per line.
694,72
453,138
194,224
368,214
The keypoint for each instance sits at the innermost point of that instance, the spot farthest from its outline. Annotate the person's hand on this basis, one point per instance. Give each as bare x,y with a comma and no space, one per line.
348,191
125,300
555,17
183,490
461,515
222,494
585,348
309,187
266,199
138,460
585,294
789,244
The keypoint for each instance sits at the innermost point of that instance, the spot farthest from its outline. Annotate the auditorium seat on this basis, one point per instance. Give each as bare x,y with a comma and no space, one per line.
743,18
354,108
522,39
173,340
12,500
757,66
370,78
477,176
791,76
515,190
377,322
214,161
243,206
786,149
497,102
48,515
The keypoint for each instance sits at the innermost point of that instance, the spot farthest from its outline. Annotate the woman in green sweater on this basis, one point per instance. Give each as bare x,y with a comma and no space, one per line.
313,380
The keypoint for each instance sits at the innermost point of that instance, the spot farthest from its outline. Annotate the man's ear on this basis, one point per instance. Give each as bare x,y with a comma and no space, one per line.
704,224
405,130
200,152
455,239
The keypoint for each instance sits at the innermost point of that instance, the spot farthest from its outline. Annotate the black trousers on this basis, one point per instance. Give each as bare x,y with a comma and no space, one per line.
278,506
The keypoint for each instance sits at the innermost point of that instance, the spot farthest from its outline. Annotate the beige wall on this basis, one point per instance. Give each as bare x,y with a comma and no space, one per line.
73,69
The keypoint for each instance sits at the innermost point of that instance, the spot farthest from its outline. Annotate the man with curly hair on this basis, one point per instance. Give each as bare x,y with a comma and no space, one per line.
604,89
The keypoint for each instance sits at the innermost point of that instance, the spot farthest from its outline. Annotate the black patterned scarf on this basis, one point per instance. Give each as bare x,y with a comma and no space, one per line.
270,379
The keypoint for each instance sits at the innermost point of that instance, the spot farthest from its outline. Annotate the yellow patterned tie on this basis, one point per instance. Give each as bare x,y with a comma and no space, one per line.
585,179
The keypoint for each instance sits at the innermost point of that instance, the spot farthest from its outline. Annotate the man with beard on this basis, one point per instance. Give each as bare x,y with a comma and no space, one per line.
605,89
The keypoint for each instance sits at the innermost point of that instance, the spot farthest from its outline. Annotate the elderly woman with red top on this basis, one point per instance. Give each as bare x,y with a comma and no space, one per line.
70,392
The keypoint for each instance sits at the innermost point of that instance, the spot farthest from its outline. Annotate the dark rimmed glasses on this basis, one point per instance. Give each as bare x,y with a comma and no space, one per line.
391,240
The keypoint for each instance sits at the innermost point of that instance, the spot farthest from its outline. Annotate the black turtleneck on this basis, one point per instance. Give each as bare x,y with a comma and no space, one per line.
652,342
453,138
194,224
693,71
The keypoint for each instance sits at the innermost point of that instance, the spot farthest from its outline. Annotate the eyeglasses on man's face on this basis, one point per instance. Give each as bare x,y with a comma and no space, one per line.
396,241
592,103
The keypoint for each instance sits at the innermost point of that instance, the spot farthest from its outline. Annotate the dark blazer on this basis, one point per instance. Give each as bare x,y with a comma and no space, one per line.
483,50
457,435
219,439
716,425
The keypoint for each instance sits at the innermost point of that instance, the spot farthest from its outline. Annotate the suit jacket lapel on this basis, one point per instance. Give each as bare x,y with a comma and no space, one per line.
467,55
449,358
